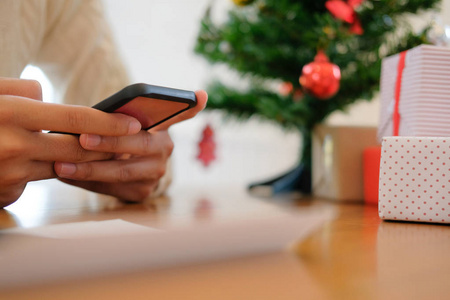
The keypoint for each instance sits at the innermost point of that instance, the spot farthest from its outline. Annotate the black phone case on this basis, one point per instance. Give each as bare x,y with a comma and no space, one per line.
130,92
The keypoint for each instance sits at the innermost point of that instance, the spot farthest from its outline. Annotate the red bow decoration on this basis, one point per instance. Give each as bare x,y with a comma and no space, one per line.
345,11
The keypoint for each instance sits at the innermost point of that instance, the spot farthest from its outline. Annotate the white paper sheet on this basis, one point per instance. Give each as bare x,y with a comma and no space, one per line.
88,229
28,258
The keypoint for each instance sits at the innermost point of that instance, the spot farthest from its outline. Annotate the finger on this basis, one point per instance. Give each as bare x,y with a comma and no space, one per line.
41,170
142,144
21,87
131,192
11,194
34,115
23,145
202,99
13,184
62,147
136,169
28,171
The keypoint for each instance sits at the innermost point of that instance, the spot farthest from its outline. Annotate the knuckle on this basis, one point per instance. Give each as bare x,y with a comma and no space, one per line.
84,171
167,144
6,115
10,197
113,143
11,147
115,127
143,192
118,124
160,171
76,119
14,179
147,143
80,154
125,174
169,147
35,89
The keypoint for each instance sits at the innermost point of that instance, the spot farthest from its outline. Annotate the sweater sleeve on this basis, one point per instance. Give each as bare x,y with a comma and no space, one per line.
78,53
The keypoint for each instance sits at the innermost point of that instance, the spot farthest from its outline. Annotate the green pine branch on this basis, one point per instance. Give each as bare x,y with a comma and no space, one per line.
273,39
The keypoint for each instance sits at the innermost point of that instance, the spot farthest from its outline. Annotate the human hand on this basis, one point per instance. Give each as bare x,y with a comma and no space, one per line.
27,153
137,176
202,99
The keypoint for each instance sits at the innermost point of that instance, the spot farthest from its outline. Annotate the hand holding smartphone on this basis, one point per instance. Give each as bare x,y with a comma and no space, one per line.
134,178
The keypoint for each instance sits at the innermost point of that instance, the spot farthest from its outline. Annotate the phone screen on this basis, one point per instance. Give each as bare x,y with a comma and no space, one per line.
151,111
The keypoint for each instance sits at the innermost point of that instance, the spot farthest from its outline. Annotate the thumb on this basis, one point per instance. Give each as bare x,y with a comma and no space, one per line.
202,99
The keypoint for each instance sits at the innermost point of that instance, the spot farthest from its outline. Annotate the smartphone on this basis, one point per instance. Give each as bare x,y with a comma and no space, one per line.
150,104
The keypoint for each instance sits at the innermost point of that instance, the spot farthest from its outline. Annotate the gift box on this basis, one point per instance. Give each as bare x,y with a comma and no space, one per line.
415,179
414,94
337,161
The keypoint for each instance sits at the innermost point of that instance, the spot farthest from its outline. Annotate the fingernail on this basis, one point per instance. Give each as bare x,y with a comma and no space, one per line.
67,169
134,127
92,140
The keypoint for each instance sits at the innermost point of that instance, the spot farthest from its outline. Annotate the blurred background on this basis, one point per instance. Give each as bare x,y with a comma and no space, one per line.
156,39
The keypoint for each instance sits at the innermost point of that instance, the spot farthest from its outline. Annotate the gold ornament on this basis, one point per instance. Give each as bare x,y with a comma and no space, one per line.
329,31
242,2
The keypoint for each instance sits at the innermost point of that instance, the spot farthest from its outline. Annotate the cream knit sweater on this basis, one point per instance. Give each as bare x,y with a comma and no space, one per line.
70,41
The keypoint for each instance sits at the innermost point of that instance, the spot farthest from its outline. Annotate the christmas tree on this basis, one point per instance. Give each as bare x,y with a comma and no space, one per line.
324,55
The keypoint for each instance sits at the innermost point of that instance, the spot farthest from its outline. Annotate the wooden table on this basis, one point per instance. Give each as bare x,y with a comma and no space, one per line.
354,256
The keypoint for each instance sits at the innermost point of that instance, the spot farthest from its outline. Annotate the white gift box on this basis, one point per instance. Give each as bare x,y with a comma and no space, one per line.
415,179
423,104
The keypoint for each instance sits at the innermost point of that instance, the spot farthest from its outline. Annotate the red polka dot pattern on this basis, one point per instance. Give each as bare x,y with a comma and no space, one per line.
415,179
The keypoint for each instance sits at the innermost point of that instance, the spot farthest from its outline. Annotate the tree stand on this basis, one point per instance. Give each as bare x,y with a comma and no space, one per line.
295,180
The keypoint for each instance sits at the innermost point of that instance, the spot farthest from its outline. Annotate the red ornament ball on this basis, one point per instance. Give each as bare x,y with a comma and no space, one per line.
321,78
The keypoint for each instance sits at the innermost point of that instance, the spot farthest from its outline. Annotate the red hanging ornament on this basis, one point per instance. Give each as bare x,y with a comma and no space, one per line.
207,146
345,11
321,78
